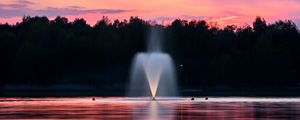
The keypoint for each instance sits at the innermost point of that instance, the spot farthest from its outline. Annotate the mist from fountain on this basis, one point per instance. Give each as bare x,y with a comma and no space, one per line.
153,72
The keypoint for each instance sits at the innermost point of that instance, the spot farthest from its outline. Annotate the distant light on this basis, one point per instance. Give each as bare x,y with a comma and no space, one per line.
181,65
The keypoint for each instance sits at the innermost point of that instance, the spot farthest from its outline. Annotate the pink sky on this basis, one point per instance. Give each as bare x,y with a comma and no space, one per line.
238,12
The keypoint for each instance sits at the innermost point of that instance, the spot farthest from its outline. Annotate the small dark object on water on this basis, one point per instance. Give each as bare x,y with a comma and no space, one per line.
206,98
192,98
93,99
153,98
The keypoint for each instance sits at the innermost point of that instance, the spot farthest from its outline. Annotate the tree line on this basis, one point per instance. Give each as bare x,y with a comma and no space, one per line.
39,51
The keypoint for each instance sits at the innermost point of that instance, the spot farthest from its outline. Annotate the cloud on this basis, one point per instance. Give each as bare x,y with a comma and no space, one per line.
19,4
21,8
190,17
164,18
25,2
185,17
50,11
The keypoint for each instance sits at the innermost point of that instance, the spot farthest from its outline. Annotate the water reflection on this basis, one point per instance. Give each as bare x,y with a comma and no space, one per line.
154,111
143,109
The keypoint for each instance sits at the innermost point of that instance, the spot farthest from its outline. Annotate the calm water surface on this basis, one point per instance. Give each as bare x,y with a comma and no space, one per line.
144,109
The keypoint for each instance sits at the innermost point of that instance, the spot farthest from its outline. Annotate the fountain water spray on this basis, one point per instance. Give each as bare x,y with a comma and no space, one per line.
153,71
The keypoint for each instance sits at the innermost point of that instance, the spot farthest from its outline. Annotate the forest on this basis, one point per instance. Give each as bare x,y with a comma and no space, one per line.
42,52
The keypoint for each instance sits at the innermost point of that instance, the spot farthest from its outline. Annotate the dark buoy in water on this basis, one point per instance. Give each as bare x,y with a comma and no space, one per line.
153,98
93,99
192,98
206,98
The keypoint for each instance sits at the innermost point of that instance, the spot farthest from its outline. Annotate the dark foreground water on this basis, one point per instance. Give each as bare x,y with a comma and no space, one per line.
144,109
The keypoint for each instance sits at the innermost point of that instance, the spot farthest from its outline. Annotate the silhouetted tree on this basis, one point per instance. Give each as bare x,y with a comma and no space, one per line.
259,25
46,52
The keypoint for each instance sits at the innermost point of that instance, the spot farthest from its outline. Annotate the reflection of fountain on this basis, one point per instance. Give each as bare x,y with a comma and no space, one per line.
153,70
154,111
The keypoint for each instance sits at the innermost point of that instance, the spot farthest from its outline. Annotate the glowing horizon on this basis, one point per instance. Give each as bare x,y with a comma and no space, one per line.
235,12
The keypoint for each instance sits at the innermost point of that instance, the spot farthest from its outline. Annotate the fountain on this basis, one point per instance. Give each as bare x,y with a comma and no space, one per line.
152,72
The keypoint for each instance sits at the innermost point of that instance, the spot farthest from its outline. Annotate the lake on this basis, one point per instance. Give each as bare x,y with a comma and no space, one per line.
143,108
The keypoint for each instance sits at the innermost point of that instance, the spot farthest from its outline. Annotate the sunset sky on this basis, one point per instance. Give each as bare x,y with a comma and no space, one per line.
238,12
